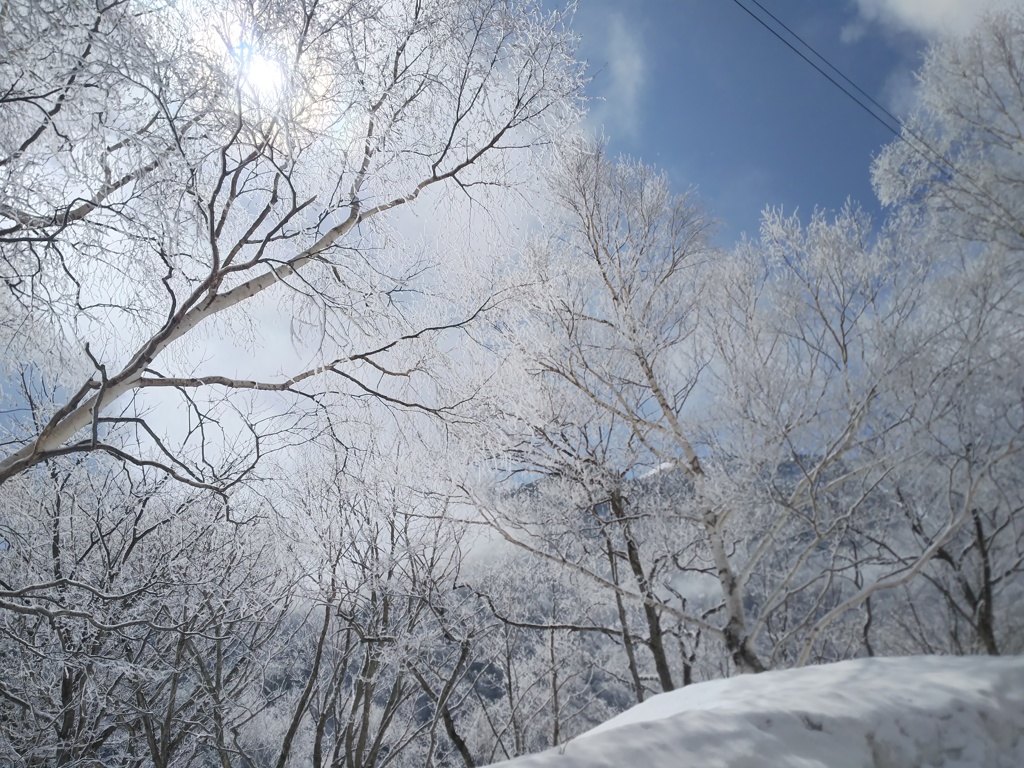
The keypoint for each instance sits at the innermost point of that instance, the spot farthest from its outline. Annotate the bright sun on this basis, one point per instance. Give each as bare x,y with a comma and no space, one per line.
264,77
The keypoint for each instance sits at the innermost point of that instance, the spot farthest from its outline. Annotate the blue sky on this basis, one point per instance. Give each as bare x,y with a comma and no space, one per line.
701,90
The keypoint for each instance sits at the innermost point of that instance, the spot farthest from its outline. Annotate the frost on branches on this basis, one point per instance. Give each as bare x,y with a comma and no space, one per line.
284,485
171,171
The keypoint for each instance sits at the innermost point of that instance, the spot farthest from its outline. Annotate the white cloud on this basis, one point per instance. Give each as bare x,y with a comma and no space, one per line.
854,31
900,93
621,80
928,18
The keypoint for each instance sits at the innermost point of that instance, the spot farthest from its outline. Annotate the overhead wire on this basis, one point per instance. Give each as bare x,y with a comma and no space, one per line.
894,130
874,104
898,127
865,101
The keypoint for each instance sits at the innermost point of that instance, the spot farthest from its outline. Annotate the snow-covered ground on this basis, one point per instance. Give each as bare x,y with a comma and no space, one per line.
917,712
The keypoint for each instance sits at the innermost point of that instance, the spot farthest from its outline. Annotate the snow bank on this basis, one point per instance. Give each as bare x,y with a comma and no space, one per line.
917,712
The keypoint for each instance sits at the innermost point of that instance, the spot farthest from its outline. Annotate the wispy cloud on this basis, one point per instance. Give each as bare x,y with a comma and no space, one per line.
928,18
900,93
620,79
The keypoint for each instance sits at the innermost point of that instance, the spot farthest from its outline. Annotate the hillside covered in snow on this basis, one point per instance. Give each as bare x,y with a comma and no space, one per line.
939,712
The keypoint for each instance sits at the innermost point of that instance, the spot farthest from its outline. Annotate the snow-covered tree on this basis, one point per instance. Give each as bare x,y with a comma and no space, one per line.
171,173
955,179
133,618
820,396
961,157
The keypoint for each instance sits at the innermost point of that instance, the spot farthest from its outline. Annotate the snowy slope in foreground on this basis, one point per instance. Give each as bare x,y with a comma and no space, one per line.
939,712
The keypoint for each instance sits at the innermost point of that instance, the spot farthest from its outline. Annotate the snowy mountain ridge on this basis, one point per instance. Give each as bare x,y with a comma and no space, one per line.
914,712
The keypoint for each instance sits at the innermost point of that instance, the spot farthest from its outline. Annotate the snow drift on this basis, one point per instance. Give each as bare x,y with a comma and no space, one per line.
939,712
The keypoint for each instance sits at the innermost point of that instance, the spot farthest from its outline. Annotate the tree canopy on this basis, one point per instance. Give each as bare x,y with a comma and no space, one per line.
284,484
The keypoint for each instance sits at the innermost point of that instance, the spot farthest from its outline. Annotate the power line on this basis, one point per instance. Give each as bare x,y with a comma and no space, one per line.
831,66
892,129
901,130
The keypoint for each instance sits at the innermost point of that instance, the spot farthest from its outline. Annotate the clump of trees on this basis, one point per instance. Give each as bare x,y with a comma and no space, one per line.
168,170
474,513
